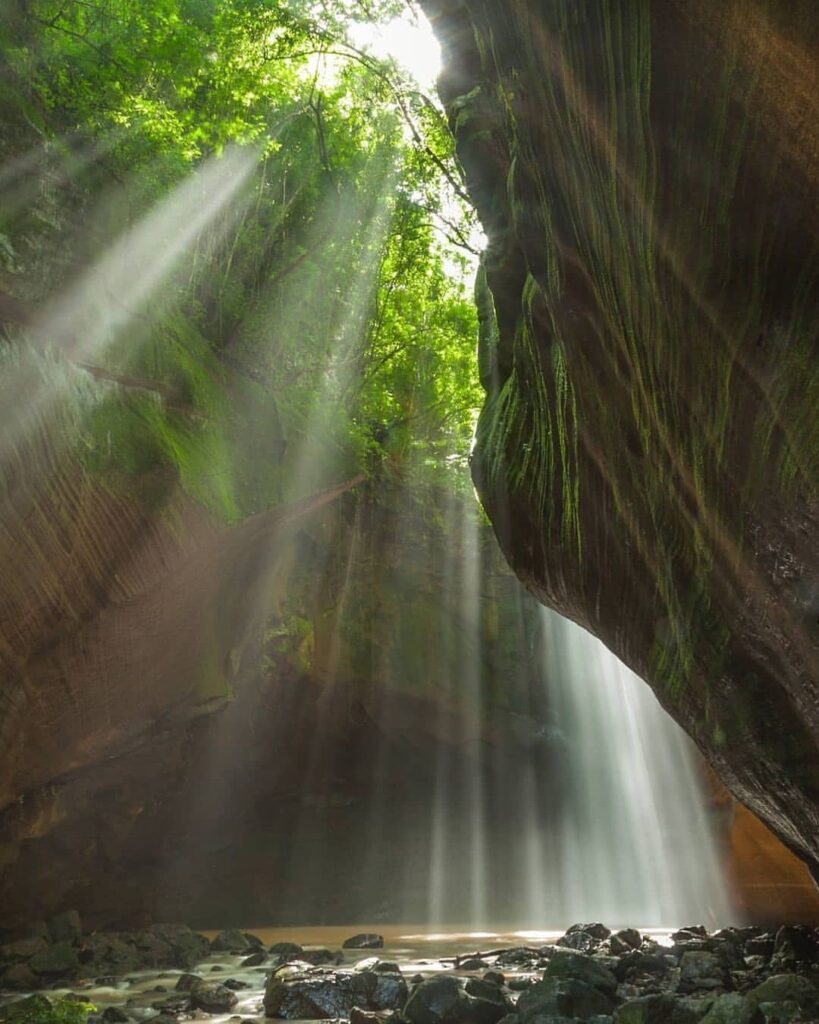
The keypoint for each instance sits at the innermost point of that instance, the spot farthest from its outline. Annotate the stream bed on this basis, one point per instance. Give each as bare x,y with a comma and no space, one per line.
391,975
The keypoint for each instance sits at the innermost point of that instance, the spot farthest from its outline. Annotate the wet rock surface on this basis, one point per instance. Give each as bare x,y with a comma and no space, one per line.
614,473
734,976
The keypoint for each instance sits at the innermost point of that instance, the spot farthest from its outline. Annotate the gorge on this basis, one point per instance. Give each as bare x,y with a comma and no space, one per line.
332,587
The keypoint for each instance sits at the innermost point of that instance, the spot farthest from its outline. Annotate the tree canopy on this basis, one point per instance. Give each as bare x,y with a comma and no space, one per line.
246,233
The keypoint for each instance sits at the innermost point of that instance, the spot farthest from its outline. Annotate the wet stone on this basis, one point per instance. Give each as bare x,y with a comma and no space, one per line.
496,976
59,959
364,940
624,941
374,991
702,971
174,1005
597,930
733,1008
18,978
786,988
658,1009
692,931
563,996
231,940
22,950
318,957
298,993
212,997
517,955
472,964
285,951
386,967
760,945
114,1015
186,982
359,1016
445,999
580,941
254,960
565,964
795,944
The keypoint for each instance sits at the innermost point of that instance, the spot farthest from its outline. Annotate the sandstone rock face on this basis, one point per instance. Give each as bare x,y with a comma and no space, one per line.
646,174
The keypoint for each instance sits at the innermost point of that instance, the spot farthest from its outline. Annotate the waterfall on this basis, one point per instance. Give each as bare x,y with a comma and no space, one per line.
631,844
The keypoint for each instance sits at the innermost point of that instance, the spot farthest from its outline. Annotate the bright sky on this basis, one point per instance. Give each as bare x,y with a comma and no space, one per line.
409,41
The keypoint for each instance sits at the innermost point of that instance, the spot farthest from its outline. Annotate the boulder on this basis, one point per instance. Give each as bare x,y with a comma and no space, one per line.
637,963
285,951
794,944
373,990
22,950
187,947
385,967
57,960
446,999
65,927
174,1004
691,931
787,988
18,978
107,954
759,945
114,1015
212,997
186,982
551,1019
581,941
235,984
317,957
732,1008
518,956
658,1009
565,964
231,940
624,941
153,950
301,992
597,930
359,1016
568,996
254,960
364,940
701,971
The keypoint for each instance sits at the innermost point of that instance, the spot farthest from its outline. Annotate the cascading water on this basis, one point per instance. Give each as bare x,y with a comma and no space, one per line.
585,806
632,844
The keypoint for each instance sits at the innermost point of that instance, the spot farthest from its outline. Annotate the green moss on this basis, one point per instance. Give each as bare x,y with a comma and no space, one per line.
39,1009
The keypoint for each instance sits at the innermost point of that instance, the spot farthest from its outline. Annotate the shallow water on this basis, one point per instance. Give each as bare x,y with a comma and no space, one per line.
416,951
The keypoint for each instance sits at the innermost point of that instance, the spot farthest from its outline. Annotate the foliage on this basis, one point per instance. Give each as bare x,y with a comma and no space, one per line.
38,1009
311,325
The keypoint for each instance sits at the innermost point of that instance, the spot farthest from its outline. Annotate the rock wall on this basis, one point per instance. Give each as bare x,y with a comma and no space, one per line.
646,173
193,711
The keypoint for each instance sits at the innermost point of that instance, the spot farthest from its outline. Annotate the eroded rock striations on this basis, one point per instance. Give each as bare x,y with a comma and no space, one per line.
646,174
